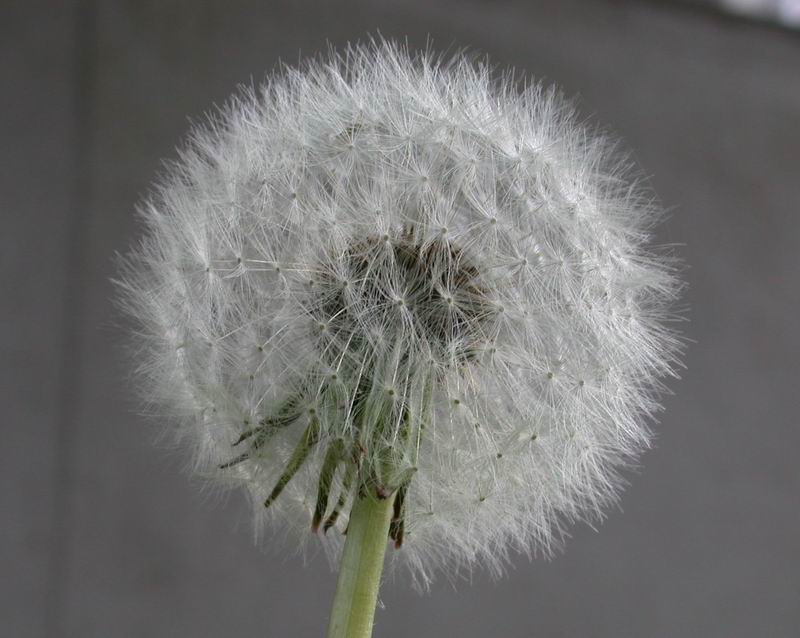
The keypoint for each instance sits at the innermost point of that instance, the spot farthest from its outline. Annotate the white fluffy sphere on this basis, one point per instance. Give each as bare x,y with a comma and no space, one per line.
391,272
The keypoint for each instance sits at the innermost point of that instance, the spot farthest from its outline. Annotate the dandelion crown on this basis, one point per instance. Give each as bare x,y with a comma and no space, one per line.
394,275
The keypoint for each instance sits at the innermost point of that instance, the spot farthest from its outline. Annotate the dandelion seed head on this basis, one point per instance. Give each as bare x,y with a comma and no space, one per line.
395,272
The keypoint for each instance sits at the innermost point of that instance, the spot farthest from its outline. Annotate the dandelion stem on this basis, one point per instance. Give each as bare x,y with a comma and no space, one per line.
361,567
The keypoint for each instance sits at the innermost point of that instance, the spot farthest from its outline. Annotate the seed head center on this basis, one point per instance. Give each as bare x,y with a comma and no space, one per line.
426,296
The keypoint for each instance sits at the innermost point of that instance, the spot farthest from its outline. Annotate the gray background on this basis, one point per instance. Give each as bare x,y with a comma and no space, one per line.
103,534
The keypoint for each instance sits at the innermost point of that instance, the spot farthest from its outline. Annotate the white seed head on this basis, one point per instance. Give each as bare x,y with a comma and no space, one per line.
395,273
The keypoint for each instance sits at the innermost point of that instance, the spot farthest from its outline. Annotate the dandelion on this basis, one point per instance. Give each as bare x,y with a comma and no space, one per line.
398,299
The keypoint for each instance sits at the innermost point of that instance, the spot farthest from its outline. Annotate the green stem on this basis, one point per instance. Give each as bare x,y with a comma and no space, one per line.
361,567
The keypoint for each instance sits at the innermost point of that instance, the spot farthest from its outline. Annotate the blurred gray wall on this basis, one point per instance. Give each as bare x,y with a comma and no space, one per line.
103,534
